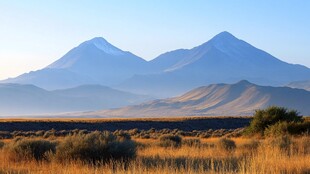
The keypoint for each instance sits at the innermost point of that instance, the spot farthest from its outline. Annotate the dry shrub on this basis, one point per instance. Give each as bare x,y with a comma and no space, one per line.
122,136
5,135
30,149
252,145
49,133
1,144
305,145
283,143
95,147
170,141
193,142
226,144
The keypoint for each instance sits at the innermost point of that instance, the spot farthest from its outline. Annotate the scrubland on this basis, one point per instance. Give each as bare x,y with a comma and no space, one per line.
276,140
161,152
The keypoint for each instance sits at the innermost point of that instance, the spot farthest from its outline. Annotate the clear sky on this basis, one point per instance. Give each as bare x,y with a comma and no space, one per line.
34,33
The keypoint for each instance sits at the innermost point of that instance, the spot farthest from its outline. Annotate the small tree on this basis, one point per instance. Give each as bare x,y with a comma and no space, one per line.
264,118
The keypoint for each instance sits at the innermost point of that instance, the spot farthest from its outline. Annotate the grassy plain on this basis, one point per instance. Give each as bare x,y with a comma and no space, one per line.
290,154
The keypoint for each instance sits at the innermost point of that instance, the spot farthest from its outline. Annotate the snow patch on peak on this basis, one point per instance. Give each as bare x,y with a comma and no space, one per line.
106,47
228,43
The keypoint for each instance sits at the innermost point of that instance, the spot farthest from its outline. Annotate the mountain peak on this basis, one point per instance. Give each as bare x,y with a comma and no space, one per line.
244,82
224,37
105,46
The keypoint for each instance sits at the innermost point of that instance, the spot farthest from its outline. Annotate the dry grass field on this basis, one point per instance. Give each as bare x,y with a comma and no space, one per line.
290,155
162,151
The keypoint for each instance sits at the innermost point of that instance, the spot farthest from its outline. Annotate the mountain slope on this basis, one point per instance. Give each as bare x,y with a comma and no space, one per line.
223,59
241,98
93,62
18,99
300,84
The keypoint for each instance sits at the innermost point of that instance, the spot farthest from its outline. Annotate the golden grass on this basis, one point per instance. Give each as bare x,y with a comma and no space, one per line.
207,158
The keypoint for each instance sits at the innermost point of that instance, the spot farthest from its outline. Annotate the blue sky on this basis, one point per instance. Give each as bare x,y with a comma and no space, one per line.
34,33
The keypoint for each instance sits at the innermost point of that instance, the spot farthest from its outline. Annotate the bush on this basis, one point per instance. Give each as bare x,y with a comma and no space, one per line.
227,145
122,136
265,118
170,141
284,143
299,128
305,141
40,133
95,147
1,144
30,149
192,142
278,129
5,135
252,145
49,133
285,128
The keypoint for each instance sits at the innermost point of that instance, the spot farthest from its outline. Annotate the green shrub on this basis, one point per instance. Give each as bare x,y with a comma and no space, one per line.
265,118
299,128
280,128
227,145
95,147
285,128
170,141
30,149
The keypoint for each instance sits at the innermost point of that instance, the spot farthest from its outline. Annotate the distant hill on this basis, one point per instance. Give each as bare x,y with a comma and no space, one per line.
223,59
242,98
93,62
16,99
300,84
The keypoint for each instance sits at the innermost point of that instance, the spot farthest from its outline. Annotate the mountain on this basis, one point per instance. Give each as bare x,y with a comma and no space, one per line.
223,59
242,98
17,99
93,62
300,84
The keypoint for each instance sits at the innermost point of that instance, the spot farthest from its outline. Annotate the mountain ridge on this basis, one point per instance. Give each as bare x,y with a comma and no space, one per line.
20,99
95,61
222,59
241,98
